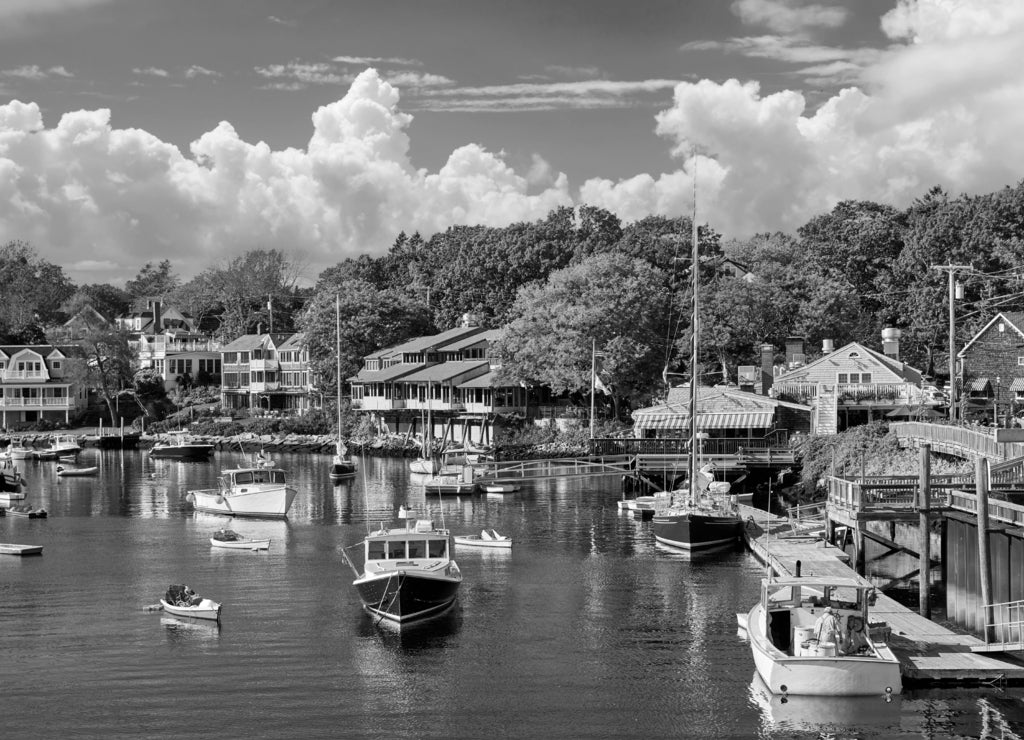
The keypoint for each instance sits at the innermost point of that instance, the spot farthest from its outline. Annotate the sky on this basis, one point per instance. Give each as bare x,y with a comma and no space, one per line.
133,131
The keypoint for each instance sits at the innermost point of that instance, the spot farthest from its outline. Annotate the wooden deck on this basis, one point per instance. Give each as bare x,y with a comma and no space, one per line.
928,652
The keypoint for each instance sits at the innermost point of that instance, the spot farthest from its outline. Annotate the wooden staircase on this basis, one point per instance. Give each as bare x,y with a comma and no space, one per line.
826,410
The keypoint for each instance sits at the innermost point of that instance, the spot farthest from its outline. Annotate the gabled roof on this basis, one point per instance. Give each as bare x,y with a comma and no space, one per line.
906,372
434,341
488,335
295,341
44,350
719,407
1015,319
487,380
248,342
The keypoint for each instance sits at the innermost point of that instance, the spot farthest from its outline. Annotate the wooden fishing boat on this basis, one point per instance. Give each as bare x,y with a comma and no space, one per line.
180,446
809,636
182,601
230,540
408,572
486,538
64,472
10,548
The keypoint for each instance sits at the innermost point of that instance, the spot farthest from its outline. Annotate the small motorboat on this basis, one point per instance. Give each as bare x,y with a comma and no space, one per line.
231,540
63,472
10,548
259,490
182,601
486,538
26,511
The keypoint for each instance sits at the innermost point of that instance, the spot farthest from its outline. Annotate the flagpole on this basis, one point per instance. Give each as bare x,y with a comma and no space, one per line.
593,375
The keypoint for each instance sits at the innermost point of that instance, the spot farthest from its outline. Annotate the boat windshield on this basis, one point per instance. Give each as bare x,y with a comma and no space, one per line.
406,549
247,477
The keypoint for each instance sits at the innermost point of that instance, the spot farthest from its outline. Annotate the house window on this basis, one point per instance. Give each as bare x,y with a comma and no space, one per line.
1020,361
843,378
865,377
56,364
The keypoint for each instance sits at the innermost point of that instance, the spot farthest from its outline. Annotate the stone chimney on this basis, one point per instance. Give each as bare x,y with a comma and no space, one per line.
795,356
891,343
767,368
827,347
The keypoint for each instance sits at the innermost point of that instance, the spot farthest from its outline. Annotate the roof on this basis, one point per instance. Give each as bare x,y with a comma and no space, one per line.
844,581
1014,318
10,350
980,384
253,341
434,341
488,335
446,371
295,341
905,372
672,416
388,373
1017,384
487,380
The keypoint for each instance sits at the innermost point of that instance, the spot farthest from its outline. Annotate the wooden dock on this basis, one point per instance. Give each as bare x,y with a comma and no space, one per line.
928,652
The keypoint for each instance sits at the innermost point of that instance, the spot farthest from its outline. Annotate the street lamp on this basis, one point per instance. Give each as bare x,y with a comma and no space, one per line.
995,404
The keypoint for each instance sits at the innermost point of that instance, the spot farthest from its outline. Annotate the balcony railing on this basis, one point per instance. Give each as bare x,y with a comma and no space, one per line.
850,394
26,375
50,403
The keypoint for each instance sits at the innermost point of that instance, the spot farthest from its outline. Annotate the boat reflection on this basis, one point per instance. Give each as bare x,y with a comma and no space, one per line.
182,629
432,633
695,556
824,714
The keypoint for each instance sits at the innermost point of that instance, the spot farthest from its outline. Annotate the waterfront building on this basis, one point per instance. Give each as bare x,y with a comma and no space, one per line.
35,385
991,368
854,385
268,373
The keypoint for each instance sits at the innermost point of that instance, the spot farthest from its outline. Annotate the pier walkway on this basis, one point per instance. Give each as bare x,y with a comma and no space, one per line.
928,652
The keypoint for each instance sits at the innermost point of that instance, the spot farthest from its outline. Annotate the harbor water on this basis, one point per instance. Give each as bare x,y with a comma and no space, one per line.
586,629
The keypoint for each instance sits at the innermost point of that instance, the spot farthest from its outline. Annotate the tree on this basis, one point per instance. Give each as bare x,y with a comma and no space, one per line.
153,280
31,293
107,300
619,303
105,365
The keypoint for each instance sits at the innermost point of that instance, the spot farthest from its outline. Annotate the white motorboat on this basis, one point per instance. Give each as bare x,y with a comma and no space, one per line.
424,466
182,601
811,636
20,452
449,485
408,572
260,490
230,540
64,445
486,538
499,488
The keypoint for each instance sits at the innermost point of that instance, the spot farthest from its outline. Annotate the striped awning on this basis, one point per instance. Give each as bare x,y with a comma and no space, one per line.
741,420
1017,385
980,384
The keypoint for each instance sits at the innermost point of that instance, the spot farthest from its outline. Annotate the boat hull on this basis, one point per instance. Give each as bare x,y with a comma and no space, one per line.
267,503
181,452
405,597
695,531
814,675
424,466
475,540
77,471
205,609
242,544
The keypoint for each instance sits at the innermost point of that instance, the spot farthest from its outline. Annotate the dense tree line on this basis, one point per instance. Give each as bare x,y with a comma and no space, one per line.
581,278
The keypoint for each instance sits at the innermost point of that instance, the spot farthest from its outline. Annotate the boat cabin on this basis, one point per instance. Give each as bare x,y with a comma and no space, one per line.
398,548
252,477
793,609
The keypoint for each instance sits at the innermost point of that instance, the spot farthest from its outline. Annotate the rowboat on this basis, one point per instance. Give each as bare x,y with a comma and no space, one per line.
26,511
486,538
808,637
230,540
9,548
63,472
182,601
499,487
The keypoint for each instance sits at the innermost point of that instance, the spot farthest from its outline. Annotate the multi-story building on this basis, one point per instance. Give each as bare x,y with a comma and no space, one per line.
992,370
35,385
167,341
268,372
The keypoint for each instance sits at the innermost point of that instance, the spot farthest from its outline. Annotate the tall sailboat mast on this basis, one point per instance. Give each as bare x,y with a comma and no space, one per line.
337,355
694,339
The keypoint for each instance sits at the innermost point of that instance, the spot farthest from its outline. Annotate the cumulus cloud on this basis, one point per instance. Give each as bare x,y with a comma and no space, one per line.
89,196
944,109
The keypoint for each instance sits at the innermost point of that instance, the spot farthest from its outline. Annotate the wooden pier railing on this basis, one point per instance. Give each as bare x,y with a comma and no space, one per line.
966,442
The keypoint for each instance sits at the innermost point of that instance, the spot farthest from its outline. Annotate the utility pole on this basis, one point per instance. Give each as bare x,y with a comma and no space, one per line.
950,270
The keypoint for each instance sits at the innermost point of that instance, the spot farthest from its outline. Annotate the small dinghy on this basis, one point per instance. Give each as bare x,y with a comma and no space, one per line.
231,540
11,548
499,488
26,511
486,538
62,471
182,601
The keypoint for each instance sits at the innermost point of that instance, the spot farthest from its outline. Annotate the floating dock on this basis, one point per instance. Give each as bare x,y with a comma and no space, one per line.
928,652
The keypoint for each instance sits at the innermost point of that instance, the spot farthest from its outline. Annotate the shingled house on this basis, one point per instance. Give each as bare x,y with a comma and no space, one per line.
991,369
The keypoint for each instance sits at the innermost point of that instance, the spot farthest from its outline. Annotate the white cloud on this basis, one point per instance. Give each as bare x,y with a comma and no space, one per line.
943,110
369,61
298,75
150,72
197,71
788,16
82,189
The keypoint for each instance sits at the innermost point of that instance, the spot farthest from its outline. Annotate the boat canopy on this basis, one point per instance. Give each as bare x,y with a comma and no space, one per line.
839,593
407,545
249,476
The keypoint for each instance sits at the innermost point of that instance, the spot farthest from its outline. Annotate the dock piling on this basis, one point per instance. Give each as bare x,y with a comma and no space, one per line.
981,485
924,533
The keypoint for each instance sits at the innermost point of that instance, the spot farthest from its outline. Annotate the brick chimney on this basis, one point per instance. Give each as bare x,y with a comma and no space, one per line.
891,342
767,368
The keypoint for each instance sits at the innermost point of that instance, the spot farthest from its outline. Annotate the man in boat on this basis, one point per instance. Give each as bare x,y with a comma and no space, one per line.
856,639
826,629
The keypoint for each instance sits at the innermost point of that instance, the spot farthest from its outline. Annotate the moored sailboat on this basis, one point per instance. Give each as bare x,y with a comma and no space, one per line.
703,515
341,466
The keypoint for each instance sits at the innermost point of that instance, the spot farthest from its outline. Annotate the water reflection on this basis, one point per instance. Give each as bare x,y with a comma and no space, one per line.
824,714
182,630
